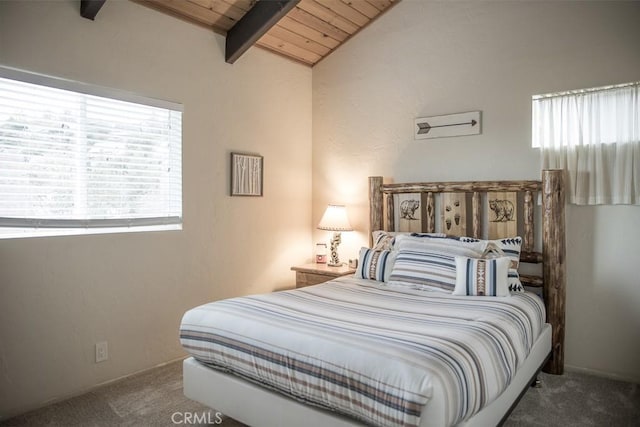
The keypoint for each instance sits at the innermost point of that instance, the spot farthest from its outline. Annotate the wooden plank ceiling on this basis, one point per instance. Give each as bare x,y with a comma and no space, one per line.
308,33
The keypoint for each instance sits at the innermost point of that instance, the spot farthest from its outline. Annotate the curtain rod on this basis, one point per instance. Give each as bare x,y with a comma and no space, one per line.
585,91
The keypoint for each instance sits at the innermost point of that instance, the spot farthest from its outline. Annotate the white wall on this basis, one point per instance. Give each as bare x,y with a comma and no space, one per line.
431,58
60,295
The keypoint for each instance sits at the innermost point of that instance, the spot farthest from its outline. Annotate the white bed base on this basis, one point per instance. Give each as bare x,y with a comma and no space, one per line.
256,406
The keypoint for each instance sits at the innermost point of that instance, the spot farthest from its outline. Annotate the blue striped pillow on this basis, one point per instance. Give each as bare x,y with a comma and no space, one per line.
482,277
429,264
374,264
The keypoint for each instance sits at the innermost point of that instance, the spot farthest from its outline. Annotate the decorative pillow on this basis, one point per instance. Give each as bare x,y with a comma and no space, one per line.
386,240
429,264
383,240
431,235
511,248
482,277
398,237
374,264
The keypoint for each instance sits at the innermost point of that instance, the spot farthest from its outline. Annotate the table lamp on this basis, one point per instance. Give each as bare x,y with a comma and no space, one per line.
335,219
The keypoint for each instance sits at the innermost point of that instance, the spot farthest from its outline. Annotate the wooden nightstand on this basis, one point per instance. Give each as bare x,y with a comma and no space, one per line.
312,274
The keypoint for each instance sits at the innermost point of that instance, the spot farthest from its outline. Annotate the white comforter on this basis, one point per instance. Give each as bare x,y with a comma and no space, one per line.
369,351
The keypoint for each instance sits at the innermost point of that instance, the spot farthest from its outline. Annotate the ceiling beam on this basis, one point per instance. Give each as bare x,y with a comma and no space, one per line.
89,8
253,25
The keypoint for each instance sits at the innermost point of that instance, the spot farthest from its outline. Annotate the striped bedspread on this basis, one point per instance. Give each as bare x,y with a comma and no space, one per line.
369,351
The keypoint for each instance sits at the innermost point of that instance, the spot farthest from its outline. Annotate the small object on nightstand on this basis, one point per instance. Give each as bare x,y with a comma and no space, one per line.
313,274
321,253
353,263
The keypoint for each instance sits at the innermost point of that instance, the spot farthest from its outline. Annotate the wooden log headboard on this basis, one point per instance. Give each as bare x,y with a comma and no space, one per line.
503,200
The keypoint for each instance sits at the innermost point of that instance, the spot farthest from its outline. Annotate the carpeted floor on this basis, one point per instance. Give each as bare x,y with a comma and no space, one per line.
578,400
154,398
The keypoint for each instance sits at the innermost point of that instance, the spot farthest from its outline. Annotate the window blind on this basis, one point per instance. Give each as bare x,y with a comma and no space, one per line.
71,157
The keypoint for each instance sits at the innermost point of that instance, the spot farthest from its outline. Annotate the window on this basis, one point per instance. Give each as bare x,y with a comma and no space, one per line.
79,159
594,134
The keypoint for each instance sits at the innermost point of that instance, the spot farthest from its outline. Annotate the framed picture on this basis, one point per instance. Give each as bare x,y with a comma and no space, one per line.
246,175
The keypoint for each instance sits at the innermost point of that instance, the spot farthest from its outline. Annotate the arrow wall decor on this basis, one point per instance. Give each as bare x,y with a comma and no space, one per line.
450,125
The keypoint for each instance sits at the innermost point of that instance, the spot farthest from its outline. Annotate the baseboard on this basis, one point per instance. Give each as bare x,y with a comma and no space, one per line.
4,417
597,373
102,384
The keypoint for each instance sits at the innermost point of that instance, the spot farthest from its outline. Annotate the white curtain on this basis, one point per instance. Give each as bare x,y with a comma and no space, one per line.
594,135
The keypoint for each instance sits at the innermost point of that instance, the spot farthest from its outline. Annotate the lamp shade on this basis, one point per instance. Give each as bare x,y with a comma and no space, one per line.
335,219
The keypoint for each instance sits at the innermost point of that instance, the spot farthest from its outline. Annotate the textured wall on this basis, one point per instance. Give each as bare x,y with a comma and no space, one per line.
431,58
60,295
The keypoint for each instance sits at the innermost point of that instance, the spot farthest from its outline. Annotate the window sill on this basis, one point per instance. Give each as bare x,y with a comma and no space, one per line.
19,233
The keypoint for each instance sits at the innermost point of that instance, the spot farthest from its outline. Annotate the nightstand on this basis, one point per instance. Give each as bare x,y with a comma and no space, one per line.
312,274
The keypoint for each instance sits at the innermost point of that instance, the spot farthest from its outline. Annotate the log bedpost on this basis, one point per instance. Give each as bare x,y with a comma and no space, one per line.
390,214
554,266
375,206
528,222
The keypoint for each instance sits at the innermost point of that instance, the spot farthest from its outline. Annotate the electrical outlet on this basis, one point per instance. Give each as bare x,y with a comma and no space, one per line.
102,351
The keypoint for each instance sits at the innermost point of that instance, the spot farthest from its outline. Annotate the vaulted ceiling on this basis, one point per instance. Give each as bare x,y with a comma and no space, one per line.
304,30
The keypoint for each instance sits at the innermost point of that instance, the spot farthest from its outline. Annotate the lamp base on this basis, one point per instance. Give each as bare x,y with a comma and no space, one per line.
340,264
335,241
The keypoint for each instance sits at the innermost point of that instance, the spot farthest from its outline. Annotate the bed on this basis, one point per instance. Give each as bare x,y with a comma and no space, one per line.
373,351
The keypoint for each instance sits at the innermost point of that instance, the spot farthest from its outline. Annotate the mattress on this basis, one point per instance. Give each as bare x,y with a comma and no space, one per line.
373,353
